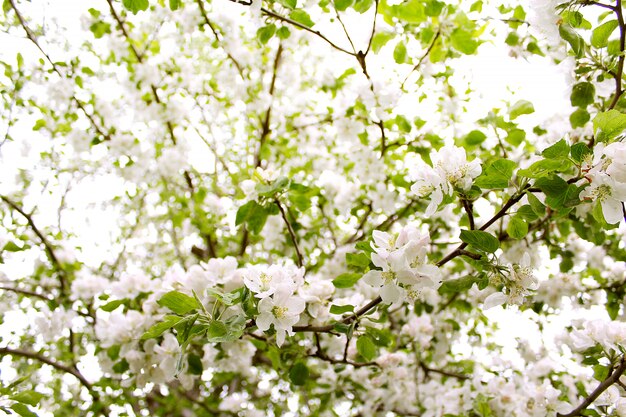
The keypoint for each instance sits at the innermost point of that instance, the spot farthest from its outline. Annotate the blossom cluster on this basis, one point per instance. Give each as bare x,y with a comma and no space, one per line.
451,171
404,269
518,281
606,173
279,304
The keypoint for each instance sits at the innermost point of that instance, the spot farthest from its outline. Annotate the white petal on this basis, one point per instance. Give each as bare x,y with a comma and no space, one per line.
612,210
390,293
264,320
373,278
495,299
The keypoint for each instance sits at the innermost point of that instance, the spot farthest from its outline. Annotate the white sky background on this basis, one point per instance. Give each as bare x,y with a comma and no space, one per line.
498,77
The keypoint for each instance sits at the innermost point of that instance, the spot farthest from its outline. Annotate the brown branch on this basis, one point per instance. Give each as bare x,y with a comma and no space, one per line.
55,68
265,125
604,385
428,370
510,203
26,292
47,245
419,63
306,28
620,65
63,368
218,37
369,43
292,233
469,209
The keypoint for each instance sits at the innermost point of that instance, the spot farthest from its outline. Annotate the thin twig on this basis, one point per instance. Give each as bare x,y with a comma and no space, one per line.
47,245
424,56
218,37
304,27
55,68
620,64
292,233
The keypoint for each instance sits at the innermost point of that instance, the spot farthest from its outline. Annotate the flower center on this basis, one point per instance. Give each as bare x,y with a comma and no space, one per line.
388,276
601,192
279,312
264,278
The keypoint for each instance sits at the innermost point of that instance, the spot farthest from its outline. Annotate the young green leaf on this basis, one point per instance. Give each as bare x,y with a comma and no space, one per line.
159,328
600,35
178,302
480,240
366,347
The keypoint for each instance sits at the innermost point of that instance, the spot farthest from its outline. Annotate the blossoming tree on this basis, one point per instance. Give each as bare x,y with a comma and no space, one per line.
312,208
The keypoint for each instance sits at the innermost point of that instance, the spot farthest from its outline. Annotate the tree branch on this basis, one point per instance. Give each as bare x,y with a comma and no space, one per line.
33,39
63,368
306,28
604,385
47,245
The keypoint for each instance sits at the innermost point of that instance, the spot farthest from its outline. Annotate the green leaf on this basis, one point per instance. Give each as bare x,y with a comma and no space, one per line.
579,118
361,6
545,167
299,374
496,175
178,302
346,280
536,205
527,213
366,347
302,17
579,152
11,246
399,53
216,331
195,364
265,33
342,5
557,151
110,306
517,227
475,137
607,125
136,5
175,4
520,108
480,240
283,32
358,260
340,309
552,186
600,35
577,43
583,94
464,41
434,8
159,328
22,410
481,406
380,39
39,124
515,136
477,6
411,11
29,397
453,286
290,4
254,215
601,372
